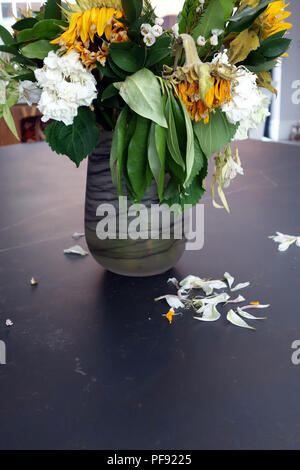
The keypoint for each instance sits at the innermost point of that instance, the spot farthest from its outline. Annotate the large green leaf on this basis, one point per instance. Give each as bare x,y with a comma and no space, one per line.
227,6
53,10
142,93
128,56
137,157
38,49
157,155
78,140
187,16
212,18
245,18
200,161
25,23
8,118
6,36
190,151
42,29
159,51
132,9
216,134
172,137
274,47
118,149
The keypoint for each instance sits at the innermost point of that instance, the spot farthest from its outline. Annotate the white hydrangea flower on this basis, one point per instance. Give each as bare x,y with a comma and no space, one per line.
29,91
201,41
175,30
214,40
149,39
65,85
159,21
157,31
248,104
146,29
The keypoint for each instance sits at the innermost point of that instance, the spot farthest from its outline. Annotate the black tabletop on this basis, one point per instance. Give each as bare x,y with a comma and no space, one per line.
91,361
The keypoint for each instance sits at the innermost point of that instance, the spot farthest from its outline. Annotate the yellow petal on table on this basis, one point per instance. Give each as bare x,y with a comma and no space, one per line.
170,315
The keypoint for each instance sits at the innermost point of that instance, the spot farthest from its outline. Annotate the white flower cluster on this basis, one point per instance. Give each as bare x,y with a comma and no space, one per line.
248,104
150,33
200,7
66,85
214,40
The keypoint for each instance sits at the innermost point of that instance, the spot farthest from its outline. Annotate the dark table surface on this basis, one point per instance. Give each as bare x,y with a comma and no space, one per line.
91,361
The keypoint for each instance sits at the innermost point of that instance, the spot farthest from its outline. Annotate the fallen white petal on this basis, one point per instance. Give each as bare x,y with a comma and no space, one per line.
298,242
248,315
77,235
217,299
285,246
173,281
8,322
229,279
240,298
237,320
240,286
254,306
210,313
76,250
172,300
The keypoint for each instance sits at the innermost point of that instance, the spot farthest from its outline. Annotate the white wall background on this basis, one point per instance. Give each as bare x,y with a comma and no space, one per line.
167,7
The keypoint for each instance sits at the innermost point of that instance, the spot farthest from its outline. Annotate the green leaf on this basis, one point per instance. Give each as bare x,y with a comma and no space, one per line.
42,29
118,148
25,23
128,56
157,155
109,92
11,49
190,151
137,157
172,137
159,51
244,19
38,49
200,161
142,93
132,9
187,15
216,134
192,195
8,118
53,10
273,48
106,71
78,140
120,74
261,65
212,18
6,36
227,6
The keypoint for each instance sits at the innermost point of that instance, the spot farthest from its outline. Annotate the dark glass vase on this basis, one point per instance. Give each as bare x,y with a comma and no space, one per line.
146,256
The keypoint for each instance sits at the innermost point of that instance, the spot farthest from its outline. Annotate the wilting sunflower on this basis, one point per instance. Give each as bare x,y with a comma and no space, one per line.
272,20
93,24
202,87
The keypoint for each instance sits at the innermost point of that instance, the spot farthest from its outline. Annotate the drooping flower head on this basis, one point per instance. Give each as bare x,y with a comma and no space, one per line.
272,20
202,87
93,24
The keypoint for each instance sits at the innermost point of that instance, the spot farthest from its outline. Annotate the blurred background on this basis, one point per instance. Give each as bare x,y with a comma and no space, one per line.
283,124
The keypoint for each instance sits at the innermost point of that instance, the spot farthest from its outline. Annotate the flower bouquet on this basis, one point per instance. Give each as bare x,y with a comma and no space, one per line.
173,98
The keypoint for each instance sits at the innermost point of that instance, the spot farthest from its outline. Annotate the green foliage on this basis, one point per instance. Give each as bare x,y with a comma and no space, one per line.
159,51
172,135
109,92
6,36
118,149
142,93
216,134
188,15
132,9
42,29
128,56
38,49
137,157
245,18
274,47
256,62
53,10
211,18
157,155
25,23
227,6
78,140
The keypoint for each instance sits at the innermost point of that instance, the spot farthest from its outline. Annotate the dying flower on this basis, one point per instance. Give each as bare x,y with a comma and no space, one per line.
272,20
91,31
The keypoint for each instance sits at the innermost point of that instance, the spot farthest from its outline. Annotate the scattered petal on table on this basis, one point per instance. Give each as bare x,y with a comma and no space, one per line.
170,315
33,282
210,313
239,299
173,301
229,279
240,286
77,235
237,320
194,282
76,250
173,281
285,240
215,300
8,322
254,303
246,307
248,315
